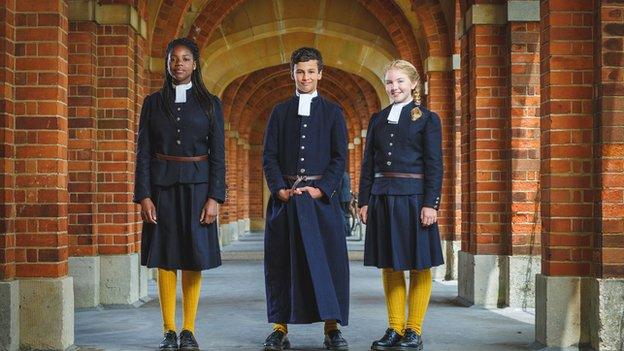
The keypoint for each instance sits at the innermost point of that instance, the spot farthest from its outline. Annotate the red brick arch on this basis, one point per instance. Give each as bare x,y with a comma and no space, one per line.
168,24
434,25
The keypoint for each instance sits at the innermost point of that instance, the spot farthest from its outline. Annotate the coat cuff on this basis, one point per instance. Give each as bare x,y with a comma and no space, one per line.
327,192
432,201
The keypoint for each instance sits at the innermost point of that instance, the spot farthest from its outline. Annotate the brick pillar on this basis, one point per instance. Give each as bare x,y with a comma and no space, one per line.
440,100
228,220
523,262
256,186
9,287
485,164
243,190
607,283
117,94
567,196
358,153
41,174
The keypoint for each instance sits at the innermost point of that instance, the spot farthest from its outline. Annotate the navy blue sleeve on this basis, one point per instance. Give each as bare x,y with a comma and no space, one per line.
142,188
333,173
432,157
270,162
368,166
216,159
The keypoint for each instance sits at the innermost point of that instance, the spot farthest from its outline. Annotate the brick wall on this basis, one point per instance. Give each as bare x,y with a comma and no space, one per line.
609,145
567,78
7,139
41,248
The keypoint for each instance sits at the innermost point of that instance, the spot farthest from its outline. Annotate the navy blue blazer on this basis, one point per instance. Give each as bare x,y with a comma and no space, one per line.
406,147
189,134
319,142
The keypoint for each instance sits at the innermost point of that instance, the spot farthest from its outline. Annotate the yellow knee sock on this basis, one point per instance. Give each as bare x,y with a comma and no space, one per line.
394,289
419,294
167,295
330,325
283,327
191,286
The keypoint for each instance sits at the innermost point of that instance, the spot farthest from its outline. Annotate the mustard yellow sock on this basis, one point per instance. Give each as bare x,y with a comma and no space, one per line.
394,289
167,295
419,294
330,325
191,286
283,327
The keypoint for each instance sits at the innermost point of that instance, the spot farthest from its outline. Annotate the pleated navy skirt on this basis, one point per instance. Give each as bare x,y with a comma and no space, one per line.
395,237
179,240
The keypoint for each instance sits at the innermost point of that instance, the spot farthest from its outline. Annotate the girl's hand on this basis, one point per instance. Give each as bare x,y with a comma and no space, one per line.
363,214
148,211
428,216
315,193
209,212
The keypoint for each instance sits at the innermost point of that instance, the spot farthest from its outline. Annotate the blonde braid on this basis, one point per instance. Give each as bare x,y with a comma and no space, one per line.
416,111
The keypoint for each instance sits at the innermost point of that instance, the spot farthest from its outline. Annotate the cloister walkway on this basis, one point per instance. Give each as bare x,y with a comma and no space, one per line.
232,314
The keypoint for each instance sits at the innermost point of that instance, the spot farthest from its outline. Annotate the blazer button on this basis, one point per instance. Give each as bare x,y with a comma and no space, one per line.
392,135
178,131
303,136
389,153
391,144
305,126
178,109
178,119
302,147
302,159
178,142
302,170
388,163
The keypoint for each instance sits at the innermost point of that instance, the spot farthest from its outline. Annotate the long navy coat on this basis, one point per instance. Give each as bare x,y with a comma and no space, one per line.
306,263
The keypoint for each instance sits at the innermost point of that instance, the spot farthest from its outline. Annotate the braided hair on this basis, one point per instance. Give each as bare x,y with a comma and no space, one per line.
206,100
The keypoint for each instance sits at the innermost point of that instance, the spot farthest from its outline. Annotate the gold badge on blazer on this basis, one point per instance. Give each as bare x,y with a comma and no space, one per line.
416,113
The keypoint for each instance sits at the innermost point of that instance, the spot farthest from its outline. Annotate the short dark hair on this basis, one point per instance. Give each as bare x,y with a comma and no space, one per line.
306,54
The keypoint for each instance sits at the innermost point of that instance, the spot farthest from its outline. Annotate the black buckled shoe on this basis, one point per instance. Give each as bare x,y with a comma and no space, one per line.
335,341
169,342
389,341
411,341
187,341
276,341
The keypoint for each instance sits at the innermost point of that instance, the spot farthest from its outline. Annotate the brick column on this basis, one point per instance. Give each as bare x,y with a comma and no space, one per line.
84,262
485,164
567,196
523,262
228,224
607,284
243,189
440,101
9,287
41,174
256,186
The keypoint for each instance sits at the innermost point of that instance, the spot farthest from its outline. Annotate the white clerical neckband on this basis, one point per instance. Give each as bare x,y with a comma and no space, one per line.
395,111
180,90
304,102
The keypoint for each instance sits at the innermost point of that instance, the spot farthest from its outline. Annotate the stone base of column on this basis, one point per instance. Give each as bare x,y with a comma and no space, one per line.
606,313
479,279
228,232
144,274
447,271
518,277
244,225
257,224
558,311
46,313
119,279
86,273
9,315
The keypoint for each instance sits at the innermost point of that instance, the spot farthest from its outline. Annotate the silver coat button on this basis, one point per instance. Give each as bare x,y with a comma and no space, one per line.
302,159
178,142
391,144
178,119
303,148
178,109
305,126
303,136
389,153
388,163
302,170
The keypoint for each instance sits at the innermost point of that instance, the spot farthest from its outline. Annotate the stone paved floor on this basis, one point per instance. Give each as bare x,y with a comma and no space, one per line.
232,316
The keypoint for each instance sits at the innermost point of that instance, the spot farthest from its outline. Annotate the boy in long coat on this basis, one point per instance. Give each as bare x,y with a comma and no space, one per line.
306,263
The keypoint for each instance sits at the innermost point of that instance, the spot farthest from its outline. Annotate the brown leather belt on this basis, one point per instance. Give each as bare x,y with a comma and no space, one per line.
301,178
181,158
399,175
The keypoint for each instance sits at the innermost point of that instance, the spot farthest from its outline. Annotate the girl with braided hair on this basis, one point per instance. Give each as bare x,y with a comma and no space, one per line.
400,186
180,179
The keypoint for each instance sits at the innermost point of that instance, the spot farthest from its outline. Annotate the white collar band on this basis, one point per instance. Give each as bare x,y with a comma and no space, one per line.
305,100
395,111
180,90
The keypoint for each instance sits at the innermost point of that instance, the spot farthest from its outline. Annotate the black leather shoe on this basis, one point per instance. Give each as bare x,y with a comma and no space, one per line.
411,341
335,341
276,341
187,341
169,342
389,341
